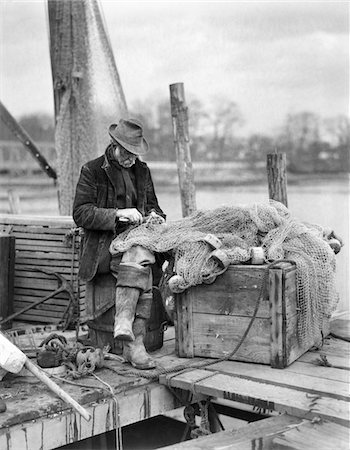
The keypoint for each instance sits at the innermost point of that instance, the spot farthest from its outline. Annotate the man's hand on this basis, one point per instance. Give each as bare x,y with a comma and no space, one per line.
131,215
154,215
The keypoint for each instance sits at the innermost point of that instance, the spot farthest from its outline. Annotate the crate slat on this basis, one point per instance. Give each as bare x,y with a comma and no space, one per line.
211,319
44,242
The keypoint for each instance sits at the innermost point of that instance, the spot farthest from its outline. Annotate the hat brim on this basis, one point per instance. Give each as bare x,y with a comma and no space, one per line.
135,149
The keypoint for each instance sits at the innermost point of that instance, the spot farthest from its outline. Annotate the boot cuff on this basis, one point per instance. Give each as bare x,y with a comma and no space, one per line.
131,276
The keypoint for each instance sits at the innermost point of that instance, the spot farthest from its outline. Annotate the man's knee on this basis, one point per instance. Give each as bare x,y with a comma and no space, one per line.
140,255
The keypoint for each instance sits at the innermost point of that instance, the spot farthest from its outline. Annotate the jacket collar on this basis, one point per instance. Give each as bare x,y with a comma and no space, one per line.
140,175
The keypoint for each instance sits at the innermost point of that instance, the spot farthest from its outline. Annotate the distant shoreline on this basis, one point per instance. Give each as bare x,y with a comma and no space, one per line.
205,174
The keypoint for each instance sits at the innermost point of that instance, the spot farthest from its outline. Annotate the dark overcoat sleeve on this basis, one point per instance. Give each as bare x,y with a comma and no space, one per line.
86,212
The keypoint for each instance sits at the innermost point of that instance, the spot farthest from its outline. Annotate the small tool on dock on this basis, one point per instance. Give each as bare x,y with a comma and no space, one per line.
13,360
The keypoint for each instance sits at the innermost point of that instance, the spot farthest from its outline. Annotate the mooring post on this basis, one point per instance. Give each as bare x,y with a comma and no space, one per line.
277,177
7,264
179,114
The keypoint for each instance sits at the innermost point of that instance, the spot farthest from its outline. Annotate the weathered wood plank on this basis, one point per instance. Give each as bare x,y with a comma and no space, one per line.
46,241
56,249
50,263
216,336
235,293
7,267
323,436
281,432
38,275
337,361
36,284
184,325
270,397
329,373
311,383
335,347
26,317
44,237
34,255
67,269
20,219
277,329
45,231
39,313
66,427
58,307
32,295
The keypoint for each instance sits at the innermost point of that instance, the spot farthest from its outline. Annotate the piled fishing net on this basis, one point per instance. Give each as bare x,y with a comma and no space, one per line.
88,91
199,259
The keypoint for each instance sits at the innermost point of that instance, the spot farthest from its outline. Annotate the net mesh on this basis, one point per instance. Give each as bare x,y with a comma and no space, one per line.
239,229
90,93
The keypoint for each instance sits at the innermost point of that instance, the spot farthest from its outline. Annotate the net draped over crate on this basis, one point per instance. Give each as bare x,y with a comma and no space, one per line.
239,228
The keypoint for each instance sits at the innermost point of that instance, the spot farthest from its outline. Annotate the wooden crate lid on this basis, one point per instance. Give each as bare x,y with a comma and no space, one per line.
17,219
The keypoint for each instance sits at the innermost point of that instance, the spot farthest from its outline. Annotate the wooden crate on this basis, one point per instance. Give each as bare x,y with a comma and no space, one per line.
46,243
211,319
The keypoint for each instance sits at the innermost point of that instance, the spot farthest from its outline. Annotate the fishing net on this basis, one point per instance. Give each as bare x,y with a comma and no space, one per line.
88,92
198,258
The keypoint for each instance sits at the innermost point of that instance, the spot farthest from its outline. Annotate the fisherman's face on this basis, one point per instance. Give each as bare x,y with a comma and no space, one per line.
124,158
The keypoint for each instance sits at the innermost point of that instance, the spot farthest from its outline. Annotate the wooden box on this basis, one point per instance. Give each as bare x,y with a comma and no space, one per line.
51,244
211,319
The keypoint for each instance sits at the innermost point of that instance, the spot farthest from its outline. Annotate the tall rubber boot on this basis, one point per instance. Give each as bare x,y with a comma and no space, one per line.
132,279
125,305
135,351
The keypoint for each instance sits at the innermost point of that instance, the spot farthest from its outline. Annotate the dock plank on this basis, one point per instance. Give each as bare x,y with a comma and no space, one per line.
263,395
281,432
307,383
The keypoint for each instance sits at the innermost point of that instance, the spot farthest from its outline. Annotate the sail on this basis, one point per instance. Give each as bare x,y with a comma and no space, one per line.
87,89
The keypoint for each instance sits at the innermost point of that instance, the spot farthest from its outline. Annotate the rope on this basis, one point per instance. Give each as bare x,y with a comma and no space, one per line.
118,430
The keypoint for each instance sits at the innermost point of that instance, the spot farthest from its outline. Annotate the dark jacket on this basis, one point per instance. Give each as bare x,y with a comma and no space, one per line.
94,208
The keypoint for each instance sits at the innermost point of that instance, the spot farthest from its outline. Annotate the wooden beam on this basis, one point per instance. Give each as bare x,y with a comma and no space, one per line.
277,177
7,273
26,140
179,113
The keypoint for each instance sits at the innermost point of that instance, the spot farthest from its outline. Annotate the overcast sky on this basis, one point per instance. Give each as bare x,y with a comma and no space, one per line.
271,58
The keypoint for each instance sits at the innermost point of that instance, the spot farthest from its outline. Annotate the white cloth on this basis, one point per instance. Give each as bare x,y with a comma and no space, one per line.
12,358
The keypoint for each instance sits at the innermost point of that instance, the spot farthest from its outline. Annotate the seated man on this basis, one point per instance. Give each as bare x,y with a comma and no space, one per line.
116,191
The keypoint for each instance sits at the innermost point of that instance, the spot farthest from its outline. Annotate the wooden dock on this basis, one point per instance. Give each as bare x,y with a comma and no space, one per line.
308,398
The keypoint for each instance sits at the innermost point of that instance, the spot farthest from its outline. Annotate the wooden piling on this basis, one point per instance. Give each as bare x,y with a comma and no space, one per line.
14,201
7,264
277,177
179,113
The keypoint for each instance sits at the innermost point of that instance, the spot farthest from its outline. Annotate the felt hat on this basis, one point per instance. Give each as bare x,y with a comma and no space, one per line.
129,134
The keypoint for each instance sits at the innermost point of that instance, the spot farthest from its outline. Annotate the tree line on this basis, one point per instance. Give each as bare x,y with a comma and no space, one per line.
312,143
